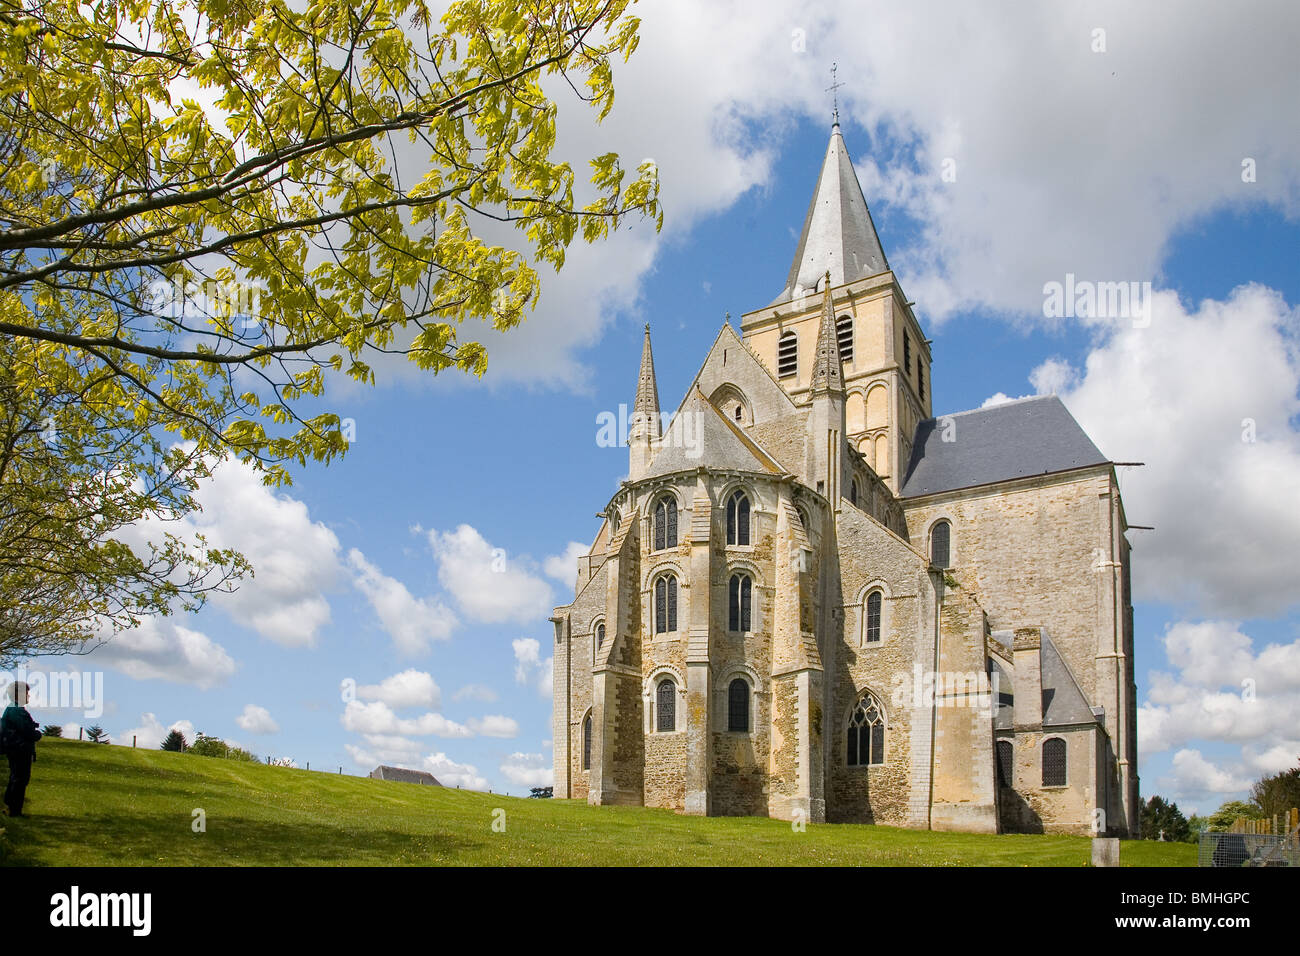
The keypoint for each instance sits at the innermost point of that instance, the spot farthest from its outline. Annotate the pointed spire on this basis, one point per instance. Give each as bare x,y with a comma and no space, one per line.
827,373
646,408
838,234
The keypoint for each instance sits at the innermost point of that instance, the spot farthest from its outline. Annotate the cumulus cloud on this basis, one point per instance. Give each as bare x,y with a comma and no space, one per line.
149,734
486,584
410,688
453,774
530,668
377,717
295,559
413,623
528,770
563,567
1207,399
388,750
160,649
257,720
1229,711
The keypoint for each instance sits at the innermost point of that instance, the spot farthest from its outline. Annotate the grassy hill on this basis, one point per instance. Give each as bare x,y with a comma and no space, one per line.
94,805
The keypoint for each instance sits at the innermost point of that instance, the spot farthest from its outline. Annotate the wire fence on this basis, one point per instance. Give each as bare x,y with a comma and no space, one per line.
1272,841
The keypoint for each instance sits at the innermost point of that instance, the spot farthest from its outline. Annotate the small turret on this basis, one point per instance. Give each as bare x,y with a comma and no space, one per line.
644,427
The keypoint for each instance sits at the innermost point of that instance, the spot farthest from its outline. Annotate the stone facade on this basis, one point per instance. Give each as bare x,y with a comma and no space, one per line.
767,624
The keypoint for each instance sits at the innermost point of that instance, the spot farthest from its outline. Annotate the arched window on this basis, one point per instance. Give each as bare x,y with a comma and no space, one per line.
844,336
1006,774
872,634
866,737
787,355
600,636
1054,762
739,603
666,706
666,604
738,706
941,544
586,743
739,413
665,523
738,518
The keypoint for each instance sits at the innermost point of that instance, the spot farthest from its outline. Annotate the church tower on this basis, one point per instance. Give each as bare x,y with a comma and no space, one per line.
884,354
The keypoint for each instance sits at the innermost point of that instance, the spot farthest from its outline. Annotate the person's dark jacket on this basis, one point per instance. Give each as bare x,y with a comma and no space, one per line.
18,732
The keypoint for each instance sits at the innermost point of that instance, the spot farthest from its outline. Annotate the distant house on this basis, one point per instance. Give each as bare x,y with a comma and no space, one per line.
402,775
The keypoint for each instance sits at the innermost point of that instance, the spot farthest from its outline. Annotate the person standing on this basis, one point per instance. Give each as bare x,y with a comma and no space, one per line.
18,736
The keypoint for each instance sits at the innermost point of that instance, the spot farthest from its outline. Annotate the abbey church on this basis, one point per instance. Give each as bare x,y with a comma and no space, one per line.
814,599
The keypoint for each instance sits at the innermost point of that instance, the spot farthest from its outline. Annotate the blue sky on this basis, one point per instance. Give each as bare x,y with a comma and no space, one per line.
436,547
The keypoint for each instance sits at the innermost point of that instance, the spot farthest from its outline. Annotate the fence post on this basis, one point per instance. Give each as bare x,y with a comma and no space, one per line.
133,741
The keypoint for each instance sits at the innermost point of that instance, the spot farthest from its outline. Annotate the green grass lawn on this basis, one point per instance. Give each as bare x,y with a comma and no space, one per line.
92,805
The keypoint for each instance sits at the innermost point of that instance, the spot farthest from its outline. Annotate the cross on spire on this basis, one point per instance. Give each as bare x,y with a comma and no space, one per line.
832,90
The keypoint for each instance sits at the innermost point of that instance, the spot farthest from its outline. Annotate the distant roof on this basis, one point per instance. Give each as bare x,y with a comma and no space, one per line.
1018,439
838,234
402,775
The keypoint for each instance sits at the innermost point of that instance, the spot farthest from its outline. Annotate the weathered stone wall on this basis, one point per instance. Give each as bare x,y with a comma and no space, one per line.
870,556
665,770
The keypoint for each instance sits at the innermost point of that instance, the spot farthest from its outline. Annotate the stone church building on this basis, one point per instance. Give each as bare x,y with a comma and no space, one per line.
813,599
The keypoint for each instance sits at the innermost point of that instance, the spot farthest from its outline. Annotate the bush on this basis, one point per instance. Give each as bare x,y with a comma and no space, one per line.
52,730
205,746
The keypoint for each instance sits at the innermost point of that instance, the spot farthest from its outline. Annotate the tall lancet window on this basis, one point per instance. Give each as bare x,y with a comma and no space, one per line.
844,337
874,601
665,523
666,604
738,707
738,518
941,544
787,355
586,743
666,706
740,602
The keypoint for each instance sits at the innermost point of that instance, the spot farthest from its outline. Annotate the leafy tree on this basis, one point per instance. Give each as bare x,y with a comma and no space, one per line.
73,474
209,208
205,746
52,730
1278,793
174,741
241,755
1162,819
96,735
1221,819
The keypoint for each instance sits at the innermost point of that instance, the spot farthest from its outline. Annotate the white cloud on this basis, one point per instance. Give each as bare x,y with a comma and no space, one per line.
528,770
1207,399
1222,692
494,725
452,774
563,567
160,649
1194,778
410,688
530,668
486,584
413,623
257,720
475,692
388,750
149,734
295,559
377,718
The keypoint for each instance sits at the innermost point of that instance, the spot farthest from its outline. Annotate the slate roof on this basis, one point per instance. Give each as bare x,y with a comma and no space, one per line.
402,775
1063,701
838,234
1019,439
